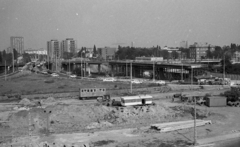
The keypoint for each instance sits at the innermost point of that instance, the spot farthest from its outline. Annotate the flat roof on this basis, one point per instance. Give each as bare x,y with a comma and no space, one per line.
137,97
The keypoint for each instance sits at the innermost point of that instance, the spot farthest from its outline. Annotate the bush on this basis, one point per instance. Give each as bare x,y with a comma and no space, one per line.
49,81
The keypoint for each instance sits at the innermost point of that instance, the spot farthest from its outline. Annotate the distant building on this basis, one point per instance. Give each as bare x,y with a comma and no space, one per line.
198,50
236,56
169,48
53,49
69,45
9,50
107,53
17,43
40,51
183,44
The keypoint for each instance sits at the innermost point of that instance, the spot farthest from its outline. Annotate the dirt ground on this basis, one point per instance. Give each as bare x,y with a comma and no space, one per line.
98,125
73,123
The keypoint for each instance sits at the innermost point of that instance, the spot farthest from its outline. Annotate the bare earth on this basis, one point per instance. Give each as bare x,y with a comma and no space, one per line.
71,122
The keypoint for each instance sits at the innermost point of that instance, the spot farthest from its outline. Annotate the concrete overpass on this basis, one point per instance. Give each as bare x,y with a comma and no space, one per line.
160,70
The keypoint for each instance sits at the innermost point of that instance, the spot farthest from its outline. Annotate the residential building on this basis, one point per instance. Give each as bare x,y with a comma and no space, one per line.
68,45
198,50
183,44
107,53
40,51
17,43
236,56
53,49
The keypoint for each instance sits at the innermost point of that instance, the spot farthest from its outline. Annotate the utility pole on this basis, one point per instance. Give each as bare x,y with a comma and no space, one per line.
153,71
81,66
5,71
131,76
191,76
126,66
195,131
13,59
182,73
224,66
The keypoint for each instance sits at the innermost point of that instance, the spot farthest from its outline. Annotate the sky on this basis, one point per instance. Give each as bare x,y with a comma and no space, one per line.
146,23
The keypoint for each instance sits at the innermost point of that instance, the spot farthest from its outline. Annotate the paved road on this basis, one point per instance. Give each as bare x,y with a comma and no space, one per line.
229,143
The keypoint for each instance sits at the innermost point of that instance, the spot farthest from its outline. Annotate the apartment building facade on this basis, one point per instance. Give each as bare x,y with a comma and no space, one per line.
53,49
17,43
69,45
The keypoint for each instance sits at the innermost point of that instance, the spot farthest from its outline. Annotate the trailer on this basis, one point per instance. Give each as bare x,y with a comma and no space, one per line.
136,100
94,93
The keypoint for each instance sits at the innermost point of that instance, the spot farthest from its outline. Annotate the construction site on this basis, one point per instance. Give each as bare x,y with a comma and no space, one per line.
39,110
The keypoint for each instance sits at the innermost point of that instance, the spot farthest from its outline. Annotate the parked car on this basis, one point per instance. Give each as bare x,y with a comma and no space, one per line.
109,80
54,75
44,72
160,82
136,82
73,76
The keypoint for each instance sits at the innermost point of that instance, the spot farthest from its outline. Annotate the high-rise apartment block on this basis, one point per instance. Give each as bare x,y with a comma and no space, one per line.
53,50
17,43
69,45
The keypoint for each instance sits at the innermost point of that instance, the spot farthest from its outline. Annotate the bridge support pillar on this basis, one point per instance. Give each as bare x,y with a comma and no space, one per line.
99,68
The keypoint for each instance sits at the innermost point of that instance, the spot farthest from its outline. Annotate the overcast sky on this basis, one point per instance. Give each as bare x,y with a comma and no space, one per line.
109,22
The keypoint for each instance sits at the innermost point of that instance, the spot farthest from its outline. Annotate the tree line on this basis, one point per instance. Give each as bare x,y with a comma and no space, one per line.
8,57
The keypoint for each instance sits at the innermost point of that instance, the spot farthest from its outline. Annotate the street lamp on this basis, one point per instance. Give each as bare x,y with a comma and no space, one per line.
182,73
224,56
131,76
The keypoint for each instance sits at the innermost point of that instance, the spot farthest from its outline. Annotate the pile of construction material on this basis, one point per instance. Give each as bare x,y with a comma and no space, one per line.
173,126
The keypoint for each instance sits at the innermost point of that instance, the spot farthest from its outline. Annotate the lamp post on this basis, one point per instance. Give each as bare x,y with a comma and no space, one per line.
131,76
191,75
182,73
195,131
224,70
81,65
153,71
224,66
5,71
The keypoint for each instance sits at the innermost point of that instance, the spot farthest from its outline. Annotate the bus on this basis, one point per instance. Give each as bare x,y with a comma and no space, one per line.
136,100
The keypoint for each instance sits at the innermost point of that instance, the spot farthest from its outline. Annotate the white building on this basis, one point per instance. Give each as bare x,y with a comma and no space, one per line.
40,51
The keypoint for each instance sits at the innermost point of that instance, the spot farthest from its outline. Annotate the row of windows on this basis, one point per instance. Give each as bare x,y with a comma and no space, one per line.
92,90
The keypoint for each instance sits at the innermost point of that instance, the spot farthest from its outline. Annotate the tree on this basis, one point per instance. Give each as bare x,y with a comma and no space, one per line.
15,53
94,51
1,58
175,55
26,58
4,55
67,55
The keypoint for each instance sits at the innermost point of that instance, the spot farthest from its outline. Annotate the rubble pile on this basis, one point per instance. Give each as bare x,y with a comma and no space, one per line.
26,102
73,118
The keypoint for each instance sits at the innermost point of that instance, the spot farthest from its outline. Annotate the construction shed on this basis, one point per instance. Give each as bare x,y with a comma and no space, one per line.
216,101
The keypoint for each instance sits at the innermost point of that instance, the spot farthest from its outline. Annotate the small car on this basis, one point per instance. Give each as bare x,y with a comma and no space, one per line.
72,76
54,75
109,80
136,82
160,82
